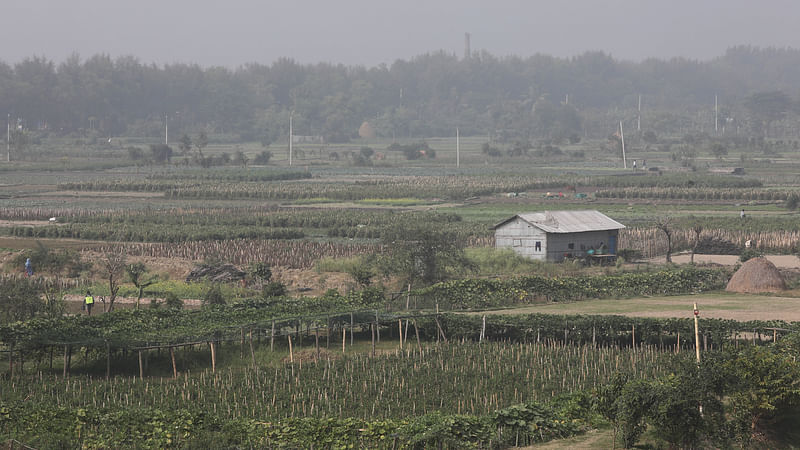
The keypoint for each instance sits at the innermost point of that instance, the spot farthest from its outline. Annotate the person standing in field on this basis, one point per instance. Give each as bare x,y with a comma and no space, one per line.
88,302
28,267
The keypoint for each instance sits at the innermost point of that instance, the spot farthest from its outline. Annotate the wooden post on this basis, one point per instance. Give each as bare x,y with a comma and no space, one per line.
174,366
316,340
441,331
11,360
291,354
400,327
408,296
483,329
696,333
633,336
328,333
65,361
213,357
372,331
405,333
141,367
678,343
352,325
252,351
377,328
593,337
108,361
344,337
69,361
416,331
241,343
272,338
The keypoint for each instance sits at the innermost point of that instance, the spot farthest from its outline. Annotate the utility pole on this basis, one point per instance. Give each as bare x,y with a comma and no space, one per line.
716,115
639,116
166,129
622,139
458,150
8,138
291,138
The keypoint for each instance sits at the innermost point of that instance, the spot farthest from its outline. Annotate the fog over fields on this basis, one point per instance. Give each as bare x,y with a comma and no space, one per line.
361,32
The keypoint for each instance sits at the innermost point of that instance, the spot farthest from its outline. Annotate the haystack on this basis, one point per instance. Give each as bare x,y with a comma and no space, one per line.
757,275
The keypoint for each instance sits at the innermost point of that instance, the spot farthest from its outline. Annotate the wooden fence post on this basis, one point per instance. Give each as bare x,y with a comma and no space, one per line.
141,367
352,325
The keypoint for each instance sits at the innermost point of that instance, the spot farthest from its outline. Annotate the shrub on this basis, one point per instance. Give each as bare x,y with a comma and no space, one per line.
749,253
214,296
274,289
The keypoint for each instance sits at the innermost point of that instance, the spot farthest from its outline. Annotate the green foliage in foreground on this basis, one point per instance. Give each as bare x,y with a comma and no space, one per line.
139,427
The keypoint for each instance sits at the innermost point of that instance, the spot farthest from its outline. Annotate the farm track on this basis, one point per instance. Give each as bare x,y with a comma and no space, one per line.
741,307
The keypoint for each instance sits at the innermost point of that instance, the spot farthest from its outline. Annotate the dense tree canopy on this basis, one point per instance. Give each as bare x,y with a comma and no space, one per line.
429,95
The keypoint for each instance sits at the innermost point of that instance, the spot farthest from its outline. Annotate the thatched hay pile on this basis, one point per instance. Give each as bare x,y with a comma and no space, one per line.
757,275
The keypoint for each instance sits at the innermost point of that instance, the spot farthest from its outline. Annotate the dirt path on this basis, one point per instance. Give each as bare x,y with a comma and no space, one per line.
741,307
780,261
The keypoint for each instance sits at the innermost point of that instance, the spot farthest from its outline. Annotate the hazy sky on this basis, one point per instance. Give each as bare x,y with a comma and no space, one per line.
369,32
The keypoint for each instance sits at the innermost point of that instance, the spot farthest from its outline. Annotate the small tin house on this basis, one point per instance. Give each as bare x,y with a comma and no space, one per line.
557,235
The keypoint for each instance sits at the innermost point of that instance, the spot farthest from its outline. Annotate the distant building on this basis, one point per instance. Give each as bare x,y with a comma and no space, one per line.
298,139
556,235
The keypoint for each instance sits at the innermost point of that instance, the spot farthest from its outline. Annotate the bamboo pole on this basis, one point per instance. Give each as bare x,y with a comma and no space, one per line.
483,329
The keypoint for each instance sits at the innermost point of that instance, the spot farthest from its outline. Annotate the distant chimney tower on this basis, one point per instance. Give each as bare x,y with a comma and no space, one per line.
467,51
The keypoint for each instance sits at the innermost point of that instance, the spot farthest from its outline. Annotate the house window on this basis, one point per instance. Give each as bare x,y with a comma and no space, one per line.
571,246
516,243
538,246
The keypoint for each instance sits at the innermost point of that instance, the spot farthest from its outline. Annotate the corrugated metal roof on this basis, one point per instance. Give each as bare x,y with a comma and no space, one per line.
568,221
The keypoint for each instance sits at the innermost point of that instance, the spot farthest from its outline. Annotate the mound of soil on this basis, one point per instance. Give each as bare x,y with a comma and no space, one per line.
755,276
225,273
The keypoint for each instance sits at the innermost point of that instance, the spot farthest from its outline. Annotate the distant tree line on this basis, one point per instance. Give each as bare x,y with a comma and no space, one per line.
429,95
